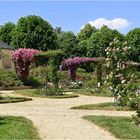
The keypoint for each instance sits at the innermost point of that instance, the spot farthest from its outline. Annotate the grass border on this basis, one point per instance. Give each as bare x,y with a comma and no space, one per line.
102,106
14,100
120,127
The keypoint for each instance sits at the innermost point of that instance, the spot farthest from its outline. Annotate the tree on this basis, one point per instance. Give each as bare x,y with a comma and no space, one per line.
100,40
33,32
85,33
67,42
6,32
133,39
80,50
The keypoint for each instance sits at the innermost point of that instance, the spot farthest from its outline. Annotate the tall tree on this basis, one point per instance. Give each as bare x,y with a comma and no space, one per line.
100,40
34,32
6,32
85,33
67,42
133,40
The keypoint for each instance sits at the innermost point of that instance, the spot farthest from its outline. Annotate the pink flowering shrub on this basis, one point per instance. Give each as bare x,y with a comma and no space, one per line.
22,58
73,63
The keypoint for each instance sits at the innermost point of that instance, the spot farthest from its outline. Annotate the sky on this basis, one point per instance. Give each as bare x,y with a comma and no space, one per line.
73,15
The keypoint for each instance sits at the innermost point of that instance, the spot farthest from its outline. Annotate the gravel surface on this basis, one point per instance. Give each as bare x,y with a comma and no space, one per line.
56,121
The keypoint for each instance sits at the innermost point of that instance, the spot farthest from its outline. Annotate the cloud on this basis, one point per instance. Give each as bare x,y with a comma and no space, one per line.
117,23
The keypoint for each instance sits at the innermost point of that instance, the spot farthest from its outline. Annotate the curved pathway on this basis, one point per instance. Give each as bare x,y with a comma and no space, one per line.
56,121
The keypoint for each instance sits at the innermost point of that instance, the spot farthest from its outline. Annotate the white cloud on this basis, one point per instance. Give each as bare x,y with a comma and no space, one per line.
117,23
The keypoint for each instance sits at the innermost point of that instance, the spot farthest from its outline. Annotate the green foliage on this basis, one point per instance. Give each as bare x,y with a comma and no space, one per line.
33,32
85,33
53,58
37,75
6,32
80,50
133,39
9,78
67,42
43,58
100,40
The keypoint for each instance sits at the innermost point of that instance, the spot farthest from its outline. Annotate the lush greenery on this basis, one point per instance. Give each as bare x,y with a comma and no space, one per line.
33,32
17,128
77,54
53,58
102,106
9,78
6,31
120,127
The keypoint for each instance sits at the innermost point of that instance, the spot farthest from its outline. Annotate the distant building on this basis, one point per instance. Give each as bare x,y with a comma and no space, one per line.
6,56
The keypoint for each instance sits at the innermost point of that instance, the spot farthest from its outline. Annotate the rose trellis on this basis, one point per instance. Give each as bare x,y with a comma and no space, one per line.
119,74
73,63
23,58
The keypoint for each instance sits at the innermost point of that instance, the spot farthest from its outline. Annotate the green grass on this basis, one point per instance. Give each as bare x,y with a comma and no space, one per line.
102,106
31,92
106,92
17,128
13,99
120,127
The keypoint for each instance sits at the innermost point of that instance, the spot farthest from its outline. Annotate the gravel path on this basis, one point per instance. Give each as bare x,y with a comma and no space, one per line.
56,121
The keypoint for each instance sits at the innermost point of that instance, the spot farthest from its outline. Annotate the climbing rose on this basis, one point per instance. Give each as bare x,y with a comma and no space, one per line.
23,58
73,63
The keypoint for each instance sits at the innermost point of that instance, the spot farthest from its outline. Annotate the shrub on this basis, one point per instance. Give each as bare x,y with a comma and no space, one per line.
23,58
9,78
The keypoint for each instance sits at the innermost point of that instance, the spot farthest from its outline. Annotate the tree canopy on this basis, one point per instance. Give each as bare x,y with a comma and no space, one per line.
133,40
100,40
67,42
6,32
33,32
85,33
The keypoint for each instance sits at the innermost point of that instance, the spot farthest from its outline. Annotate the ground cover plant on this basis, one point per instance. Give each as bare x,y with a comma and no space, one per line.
17,128
120,127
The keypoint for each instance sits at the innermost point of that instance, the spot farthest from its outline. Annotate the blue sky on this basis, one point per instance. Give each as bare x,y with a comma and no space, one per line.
72,15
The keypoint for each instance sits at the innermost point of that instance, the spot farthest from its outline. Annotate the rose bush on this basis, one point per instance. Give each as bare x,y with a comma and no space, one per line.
23,58
119,74
73,63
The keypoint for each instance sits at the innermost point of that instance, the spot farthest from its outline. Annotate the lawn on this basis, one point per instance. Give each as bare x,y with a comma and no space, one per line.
102,106
105,93
120,127
17,128
31,92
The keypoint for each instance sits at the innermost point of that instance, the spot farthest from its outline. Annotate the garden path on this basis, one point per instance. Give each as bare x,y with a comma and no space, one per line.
56,121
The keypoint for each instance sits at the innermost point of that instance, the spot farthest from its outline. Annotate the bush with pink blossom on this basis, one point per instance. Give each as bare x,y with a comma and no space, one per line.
23,58
73,63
